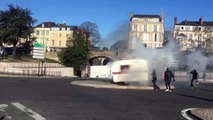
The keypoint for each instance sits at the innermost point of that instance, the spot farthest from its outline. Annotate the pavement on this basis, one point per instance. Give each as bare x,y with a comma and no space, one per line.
203,113
195,113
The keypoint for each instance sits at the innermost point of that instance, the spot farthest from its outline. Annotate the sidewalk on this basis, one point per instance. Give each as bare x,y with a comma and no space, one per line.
203,113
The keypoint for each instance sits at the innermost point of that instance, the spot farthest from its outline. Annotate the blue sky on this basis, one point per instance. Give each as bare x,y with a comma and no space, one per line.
108,14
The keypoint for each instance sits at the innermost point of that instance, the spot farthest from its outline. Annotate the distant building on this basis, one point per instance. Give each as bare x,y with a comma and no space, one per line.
193,34
148,29
53,35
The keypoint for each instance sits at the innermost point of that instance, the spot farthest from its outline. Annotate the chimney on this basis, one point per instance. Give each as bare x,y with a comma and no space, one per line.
162,15
43,24
175,20
201,21
64,23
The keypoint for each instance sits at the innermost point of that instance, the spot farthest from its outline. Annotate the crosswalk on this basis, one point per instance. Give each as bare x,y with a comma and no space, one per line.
17,111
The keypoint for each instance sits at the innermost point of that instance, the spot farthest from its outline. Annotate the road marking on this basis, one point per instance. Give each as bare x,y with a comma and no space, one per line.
2,107
183,113
28,111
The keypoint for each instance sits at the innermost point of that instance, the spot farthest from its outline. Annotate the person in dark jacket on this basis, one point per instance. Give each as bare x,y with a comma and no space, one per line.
194,77
168,75
154,79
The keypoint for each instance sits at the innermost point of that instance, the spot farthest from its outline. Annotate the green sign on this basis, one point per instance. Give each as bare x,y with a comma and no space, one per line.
36,44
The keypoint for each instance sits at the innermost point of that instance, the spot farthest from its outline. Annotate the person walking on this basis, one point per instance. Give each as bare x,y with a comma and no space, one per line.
154,79
194,77
168,76
204,76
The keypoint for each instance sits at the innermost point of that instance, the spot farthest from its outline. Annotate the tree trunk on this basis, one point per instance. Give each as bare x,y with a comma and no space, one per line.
14,47
14,51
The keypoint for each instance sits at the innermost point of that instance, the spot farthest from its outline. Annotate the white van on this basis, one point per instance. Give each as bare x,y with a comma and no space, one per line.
133,70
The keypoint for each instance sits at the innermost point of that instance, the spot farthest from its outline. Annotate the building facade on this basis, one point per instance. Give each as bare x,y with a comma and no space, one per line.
193,35
148,29
53,35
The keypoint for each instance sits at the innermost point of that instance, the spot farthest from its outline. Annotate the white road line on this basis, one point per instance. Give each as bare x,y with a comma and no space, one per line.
2,107
28,111
183,113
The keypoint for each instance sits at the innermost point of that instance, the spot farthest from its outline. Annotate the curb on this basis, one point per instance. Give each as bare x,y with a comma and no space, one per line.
194,116
95,84
197,113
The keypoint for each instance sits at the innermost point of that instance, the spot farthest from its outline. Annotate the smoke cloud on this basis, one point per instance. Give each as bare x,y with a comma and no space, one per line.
160,58
120,33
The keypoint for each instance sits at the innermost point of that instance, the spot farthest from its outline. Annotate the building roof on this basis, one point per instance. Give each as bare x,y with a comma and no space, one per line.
195,23
146,16
53,24
47,24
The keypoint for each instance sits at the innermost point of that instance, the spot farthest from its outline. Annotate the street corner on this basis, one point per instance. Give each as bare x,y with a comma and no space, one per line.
107,85
198,113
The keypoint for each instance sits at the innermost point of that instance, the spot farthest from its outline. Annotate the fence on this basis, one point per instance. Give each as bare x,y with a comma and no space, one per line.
29,65
32,73
183,74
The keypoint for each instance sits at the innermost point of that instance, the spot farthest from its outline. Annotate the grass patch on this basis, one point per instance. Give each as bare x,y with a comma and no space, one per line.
25,58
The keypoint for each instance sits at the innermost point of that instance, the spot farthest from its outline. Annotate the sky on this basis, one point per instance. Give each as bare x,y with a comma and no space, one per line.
109,14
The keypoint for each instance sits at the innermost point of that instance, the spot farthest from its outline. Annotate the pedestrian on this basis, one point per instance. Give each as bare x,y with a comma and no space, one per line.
154,79
168,76
204,76
194,77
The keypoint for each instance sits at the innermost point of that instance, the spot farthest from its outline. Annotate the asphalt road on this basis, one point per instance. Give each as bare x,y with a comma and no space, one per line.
57,99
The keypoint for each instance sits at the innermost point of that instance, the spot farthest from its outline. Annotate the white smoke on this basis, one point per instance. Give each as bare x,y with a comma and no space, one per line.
196,60
119,33
158,59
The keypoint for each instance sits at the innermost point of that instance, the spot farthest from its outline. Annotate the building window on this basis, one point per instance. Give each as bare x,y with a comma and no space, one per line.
145,37
67,35
145,45
135,28
182,28
145,28
155,45
63,29
42,25
53,42
156,37
187,28
177,28
155,28
190,36
145,19
59,43
135,19
37,32
42,32
47,32
55,28
53,35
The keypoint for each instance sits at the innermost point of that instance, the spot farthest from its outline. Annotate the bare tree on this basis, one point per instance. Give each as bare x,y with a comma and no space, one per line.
93,31
203,40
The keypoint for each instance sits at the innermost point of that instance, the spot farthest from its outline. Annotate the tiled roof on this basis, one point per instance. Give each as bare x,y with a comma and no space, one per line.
47,24
195,23
53,24
146,16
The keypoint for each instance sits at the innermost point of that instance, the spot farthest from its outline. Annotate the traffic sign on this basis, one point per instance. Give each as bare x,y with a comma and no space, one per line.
38,50
36,44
